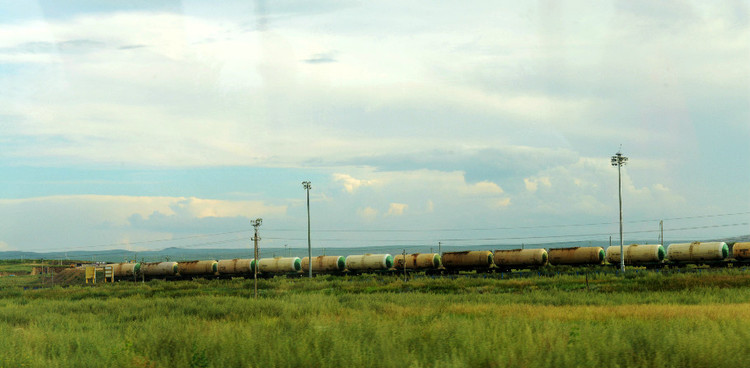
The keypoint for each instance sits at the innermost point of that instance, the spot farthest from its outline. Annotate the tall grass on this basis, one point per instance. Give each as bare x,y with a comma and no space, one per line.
649,321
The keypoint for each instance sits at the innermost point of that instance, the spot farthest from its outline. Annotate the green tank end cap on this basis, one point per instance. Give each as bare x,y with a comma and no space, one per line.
297,264
724,251
490,258
341,263
544,257
137,268
388,261
215,267
601,255
436,260
661,253
175,268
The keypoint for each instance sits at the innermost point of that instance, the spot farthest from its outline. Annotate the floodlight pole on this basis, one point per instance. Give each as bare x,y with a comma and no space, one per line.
307,186
619,160
256,224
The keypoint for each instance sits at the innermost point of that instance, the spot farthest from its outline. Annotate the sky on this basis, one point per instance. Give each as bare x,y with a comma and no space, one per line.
152,124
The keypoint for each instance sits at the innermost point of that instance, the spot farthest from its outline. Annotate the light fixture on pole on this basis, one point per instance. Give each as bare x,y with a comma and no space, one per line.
256,224
619,160
307,186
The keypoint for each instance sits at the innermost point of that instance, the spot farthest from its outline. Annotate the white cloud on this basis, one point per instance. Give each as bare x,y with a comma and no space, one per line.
351,184
87,220
430,206
397,209
532,184
368,213
503,202
482,188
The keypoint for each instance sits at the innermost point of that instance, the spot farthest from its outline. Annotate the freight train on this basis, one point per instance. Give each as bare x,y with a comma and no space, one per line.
712,254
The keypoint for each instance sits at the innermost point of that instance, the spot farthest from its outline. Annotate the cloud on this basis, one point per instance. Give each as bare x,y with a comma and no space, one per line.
532,184
350,183
397,209
368,213
322,58
483,188
74,221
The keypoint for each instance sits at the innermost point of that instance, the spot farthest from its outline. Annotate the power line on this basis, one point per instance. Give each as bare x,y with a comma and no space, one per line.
410,231
526,237
509,227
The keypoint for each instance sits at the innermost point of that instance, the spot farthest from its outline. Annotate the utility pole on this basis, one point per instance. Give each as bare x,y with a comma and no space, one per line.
661,232
440,248
403,253
307,186
619,160
256,224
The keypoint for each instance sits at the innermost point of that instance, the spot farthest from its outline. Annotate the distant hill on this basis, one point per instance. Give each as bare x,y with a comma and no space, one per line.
187,254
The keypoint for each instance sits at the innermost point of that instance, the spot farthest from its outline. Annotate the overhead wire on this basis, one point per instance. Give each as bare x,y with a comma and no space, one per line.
520,238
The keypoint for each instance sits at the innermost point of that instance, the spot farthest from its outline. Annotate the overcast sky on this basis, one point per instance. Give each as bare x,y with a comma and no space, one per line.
174,123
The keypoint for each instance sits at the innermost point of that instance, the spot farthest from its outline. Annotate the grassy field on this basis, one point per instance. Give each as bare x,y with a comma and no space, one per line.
643,320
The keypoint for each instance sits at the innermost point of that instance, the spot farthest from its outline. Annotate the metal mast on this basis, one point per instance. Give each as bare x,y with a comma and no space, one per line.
256,224
307,186
619,160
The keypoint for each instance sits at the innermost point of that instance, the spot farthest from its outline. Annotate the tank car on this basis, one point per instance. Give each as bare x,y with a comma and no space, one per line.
369,262
417,261
698,253
470,260
197,268
576,256
159,270
238,267
324,264
125,270
507,260
648,255
270,267
741,252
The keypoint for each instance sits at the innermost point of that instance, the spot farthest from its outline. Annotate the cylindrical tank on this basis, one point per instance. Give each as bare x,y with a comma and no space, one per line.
521,257
741,251
636,253
197,268
125,269
468,259
324,264
279,265
235,266
154,269
697,251
366,262
576,255
417,261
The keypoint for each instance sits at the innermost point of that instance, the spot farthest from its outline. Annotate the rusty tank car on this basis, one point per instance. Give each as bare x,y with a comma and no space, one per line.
649,255
576,256
507,260
369,262
125,270
197,268
238,267
324,264
711,253
470,260
417,261
741,251
159,269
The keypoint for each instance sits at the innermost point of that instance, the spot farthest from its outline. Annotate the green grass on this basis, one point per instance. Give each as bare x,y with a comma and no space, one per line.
644,320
